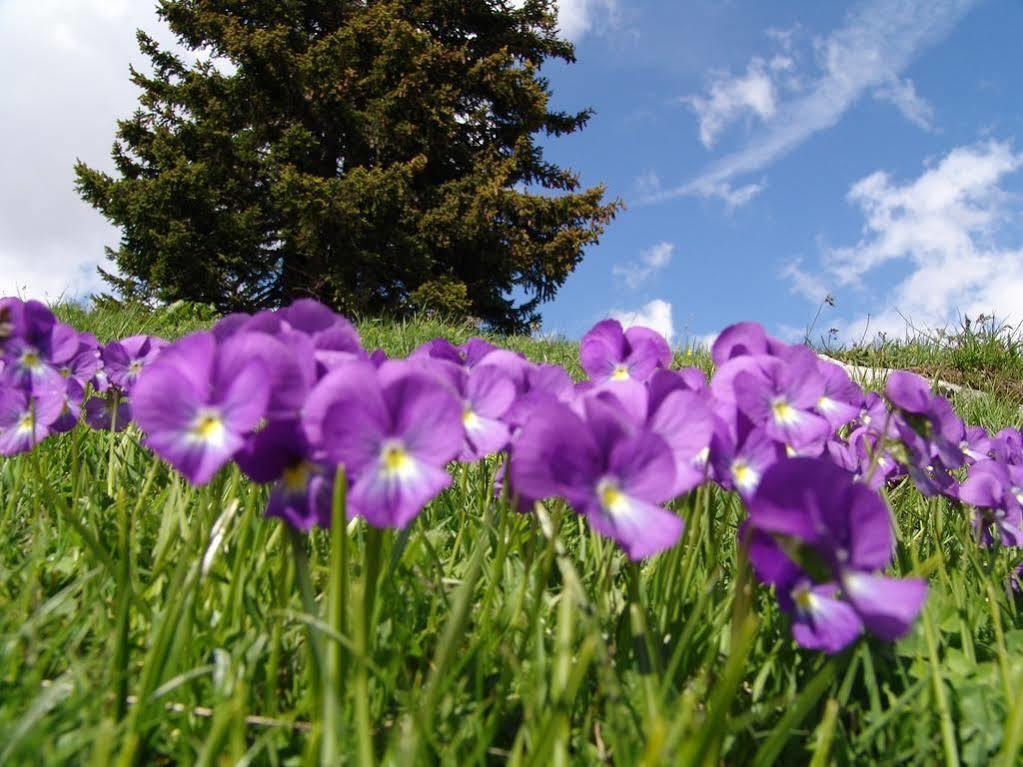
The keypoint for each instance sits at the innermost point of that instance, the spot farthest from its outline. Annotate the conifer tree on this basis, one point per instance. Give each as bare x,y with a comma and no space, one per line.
368,153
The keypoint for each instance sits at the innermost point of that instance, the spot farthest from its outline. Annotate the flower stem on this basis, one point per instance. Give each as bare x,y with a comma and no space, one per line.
364,643
337,588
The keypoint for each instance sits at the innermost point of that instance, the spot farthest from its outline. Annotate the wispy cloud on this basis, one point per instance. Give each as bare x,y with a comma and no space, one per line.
804,283
650,261
914,107
655,315
729,99
877,42
955,227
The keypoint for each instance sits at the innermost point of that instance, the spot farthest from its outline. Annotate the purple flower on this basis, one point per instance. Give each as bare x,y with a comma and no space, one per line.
996,490
608,352
27,417
977,445
842,398
541,384
820,539
1007,446
684,420
198,401
100,413
738,340
605,467
37,345
741,453
71,396
486,394
928,425
394,429
468,354
124,360
302,489
86,363
782,399
857,456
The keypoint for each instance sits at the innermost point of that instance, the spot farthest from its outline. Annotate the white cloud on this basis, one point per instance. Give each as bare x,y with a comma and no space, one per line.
876,43
731,196
577,18
956,229
730,99
647,183
650,261
63,83
804,283
655,315
914,107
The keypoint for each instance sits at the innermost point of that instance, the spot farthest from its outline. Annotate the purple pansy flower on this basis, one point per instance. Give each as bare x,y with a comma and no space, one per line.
27,417
486,394
842,398
394,429
71,396
977,444
102,415
302,489
740,454
86,362
996,490
928,426
738,340
198,401
38,346
124,360
608,352
782,399
684,420
468,354
820,539
605,467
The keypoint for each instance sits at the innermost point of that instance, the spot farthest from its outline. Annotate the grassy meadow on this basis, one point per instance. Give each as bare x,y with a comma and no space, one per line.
146,622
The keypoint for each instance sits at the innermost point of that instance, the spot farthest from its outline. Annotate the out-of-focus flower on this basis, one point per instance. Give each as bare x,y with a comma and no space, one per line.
821,539
197,402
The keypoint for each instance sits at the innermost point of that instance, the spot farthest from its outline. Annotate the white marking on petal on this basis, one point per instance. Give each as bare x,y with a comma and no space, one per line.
744,476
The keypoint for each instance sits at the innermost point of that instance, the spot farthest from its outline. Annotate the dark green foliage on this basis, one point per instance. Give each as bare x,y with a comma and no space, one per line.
351,151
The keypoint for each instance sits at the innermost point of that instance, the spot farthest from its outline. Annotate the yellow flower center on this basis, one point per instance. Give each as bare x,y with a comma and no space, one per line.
135,368
612,500
743,475
295,477
30,359
26,423
804,599
783,412
394,460
469,419
621,373
208,427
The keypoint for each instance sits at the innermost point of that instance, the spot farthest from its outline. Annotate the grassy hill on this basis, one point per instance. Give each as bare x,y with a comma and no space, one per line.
143,621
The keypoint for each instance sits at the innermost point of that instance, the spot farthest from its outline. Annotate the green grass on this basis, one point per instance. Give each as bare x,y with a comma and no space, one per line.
160,624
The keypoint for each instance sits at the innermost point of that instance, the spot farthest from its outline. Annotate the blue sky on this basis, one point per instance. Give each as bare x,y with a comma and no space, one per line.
769,154
810,99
